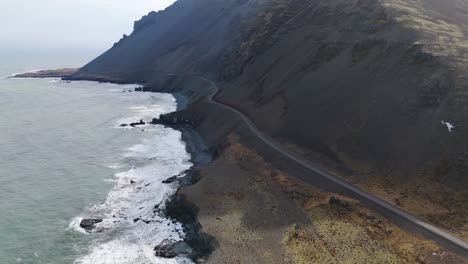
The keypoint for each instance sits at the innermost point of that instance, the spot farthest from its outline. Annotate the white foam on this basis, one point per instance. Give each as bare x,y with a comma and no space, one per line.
127,253
75,225
146,113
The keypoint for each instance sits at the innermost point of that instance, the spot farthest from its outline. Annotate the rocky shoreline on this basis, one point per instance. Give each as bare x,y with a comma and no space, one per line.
197,244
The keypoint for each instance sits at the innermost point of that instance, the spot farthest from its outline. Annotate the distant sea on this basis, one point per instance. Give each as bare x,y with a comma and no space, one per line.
64,157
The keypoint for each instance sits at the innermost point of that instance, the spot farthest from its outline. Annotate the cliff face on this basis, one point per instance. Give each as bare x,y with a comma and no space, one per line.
361,83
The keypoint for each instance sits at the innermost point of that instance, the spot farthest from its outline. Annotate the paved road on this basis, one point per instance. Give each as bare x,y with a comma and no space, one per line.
454,242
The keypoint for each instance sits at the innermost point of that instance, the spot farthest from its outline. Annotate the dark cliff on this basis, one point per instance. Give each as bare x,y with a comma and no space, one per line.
188,37
364,84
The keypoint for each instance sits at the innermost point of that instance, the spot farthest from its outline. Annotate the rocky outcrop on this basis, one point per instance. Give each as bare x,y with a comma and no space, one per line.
89,223
186,213
170,180
171,120
171,249
146,21
135,124
141,123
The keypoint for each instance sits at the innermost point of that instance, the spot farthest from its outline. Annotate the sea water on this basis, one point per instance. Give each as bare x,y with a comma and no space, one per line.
65,157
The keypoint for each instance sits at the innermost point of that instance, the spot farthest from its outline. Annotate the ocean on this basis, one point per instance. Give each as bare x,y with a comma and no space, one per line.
64,157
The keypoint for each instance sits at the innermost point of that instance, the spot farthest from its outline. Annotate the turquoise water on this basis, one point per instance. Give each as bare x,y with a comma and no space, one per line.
63,156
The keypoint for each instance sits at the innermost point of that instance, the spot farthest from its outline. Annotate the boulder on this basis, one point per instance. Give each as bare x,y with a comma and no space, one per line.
171,249
138,124
88,224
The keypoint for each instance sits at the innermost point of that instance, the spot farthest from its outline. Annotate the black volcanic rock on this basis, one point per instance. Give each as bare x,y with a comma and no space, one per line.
146,21
170,120
138,123
170,180
88,224
170,249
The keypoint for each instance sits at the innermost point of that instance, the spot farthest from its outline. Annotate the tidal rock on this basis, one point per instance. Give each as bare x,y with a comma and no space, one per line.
170,180
138,124
132,182
171,249
169,120
123,125
88,224
142,220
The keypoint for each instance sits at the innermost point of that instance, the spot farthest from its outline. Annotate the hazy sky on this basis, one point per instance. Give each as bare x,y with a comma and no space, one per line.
69,24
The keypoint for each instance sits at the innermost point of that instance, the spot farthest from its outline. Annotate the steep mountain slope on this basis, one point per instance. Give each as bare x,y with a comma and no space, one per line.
189,36
366,84
361,85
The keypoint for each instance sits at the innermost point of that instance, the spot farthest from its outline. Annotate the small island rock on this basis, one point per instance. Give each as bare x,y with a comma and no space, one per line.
88,224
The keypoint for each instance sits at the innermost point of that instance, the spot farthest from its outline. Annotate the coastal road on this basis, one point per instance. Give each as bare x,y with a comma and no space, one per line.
450,241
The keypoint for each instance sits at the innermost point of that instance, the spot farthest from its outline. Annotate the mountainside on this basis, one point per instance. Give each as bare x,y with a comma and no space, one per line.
189,36
370,88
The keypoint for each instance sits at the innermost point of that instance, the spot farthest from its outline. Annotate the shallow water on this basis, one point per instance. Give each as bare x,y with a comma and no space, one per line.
63,156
